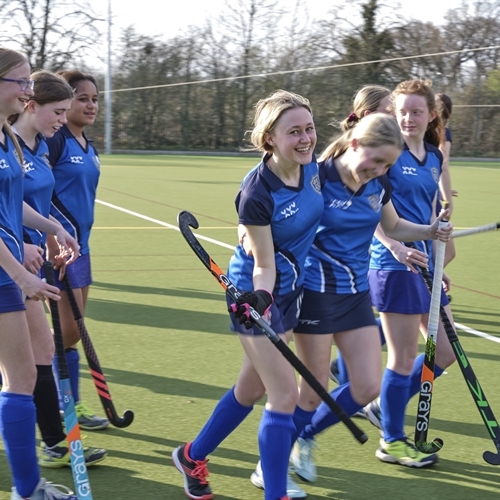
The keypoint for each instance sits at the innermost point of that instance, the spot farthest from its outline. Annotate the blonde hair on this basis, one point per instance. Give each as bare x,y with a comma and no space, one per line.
435,129
374,130
10,59
367,98
268,111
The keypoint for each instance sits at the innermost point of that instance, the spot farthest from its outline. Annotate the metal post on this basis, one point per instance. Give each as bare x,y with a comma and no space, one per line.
107,97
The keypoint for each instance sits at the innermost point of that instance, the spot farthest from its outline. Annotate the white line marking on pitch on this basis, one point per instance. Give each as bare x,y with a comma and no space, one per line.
161,223
225,245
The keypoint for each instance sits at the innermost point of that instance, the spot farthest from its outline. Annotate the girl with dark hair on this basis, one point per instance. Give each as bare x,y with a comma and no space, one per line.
76,168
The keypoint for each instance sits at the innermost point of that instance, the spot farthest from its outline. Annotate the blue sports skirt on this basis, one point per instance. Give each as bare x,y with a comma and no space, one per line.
401,292
323,313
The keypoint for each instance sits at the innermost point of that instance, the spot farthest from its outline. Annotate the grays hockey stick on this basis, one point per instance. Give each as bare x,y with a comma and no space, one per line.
474,230
75,446
94,365
427,380
186,220
471,380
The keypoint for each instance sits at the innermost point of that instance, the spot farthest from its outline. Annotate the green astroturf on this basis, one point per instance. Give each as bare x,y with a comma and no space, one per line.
159,325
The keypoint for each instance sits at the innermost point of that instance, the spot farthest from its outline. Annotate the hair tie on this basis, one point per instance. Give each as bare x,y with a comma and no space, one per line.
352,118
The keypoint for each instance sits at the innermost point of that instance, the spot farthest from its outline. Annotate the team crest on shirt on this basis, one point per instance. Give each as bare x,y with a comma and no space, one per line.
45,158
376,201
28,167
435,174
97,162
315,183
3,164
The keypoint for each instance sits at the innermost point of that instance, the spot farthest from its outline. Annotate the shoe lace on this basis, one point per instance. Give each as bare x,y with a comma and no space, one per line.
83,410
200,471
53,491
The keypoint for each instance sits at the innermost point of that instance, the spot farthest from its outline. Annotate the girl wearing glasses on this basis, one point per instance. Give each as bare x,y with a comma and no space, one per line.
17,363
43,115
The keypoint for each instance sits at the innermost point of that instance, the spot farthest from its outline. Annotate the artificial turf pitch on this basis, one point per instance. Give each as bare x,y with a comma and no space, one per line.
159,325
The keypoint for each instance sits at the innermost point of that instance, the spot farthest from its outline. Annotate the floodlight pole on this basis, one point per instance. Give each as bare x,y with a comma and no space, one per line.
108,147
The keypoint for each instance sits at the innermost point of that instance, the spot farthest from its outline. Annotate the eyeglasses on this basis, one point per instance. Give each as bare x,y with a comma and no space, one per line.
24,84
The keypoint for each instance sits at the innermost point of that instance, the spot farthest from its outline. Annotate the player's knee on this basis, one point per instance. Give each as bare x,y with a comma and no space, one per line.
364,393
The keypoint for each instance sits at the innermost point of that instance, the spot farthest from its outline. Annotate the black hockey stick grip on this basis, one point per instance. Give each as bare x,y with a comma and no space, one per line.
94,366
186,220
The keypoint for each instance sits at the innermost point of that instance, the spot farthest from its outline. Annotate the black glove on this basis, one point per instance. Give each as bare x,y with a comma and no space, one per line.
260,300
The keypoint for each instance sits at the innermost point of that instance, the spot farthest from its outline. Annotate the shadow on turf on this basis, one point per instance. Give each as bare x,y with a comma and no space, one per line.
149,290
112,311
162,385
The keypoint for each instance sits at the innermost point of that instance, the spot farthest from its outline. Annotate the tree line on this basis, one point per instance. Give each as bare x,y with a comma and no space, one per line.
355,43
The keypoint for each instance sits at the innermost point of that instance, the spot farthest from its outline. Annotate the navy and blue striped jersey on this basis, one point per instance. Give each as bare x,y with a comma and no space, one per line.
293,214
414,188
339,258
38,185
76,172
11,204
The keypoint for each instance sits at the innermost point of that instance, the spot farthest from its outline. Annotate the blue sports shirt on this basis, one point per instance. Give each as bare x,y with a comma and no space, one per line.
414,188
76,172
339,257
38,185
11,203
293,214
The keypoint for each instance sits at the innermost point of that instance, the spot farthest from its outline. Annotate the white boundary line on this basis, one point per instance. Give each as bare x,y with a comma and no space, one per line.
225,245
161,223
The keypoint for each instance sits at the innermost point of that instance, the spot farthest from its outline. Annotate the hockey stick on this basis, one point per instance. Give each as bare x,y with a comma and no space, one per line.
479,229
427,380
186,220
75,445
94,365
470,378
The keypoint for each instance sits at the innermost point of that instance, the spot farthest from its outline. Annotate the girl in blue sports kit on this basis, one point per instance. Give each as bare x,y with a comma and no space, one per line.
336,304
44,114
17,363
279,206
397,290
76,169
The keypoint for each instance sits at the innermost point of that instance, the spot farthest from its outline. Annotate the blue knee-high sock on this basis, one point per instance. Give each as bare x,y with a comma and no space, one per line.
17,425
416,374
324,417
227,415
301,418
275,435
341,366
394,396
73,361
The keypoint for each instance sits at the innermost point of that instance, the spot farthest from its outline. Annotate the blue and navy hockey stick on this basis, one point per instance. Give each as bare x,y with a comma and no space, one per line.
78,466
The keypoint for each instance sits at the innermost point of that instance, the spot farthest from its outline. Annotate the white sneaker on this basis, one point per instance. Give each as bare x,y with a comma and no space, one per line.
374,414
46,491
292,488
302,459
